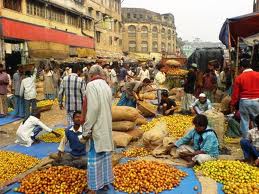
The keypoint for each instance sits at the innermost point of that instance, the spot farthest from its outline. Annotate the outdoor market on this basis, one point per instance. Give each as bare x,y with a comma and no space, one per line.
135,123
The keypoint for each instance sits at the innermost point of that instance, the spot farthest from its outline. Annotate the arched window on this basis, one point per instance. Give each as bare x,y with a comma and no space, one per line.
132,46
169,34
154,47
144,46
144,32
163,48
163,33
154,32
132,31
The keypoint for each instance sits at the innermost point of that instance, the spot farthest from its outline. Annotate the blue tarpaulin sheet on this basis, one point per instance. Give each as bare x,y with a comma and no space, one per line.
8,119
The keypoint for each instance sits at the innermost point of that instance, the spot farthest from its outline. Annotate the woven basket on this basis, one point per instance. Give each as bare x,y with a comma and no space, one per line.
146,110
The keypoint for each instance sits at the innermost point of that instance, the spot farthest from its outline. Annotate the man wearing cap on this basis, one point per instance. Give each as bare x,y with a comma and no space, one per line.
189,88
201,105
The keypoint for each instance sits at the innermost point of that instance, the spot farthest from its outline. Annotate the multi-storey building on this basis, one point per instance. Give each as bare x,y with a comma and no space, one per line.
107,26
145,31
58,29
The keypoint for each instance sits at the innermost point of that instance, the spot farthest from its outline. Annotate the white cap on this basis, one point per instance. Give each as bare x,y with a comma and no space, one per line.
194,65
202,95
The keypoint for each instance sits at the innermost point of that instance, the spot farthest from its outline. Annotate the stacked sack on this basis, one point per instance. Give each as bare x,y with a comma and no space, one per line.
124,122
39,90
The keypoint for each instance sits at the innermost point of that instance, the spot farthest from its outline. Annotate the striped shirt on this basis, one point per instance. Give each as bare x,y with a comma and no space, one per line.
74,89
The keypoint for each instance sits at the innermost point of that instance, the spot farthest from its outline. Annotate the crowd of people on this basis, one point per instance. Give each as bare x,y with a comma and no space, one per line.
87,95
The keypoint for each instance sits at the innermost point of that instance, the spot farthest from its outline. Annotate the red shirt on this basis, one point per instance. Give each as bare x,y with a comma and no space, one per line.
246,85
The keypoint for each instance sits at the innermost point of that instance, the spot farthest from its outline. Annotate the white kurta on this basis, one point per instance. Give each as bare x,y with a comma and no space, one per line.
25,131
160,79
99,115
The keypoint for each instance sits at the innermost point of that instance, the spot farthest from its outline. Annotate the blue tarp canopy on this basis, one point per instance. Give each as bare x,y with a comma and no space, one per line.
241,26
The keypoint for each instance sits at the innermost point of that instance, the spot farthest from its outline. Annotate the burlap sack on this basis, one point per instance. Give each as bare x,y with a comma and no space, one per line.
121,139
165,148
39,90
135,133
178,93
123,126
217,122
124,113
147,109
39,84
148,95
155,136
225,104
141,121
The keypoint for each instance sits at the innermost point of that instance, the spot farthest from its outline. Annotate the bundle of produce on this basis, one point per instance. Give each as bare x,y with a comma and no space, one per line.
44,103
59,179
51,138
177,72
176,124
136,152
146,177
13,164
237,177
217,122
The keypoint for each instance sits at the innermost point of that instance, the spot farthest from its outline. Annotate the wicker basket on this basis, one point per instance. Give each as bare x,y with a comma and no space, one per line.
45,108
146,109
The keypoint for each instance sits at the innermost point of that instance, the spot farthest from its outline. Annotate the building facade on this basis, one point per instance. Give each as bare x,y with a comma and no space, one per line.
145,31
256,5
107,26
58,29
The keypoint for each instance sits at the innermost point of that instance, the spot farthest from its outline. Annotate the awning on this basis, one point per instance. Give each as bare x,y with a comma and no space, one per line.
242,26
39,49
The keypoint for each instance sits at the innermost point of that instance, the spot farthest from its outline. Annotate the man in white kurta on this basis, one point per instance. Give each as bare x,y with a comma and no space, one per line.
99,123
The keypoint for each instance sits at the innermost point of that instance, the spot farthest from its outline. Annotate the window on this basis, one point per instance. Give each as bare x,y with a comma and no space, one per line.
57,15
144,46
132,46
36,8
135,16
163,33
120,42
87,24
73,20
110,40
141,16
132,31
144,32
154,47
169,34
13,4
163,46
128,15
90,11
154,32
98,36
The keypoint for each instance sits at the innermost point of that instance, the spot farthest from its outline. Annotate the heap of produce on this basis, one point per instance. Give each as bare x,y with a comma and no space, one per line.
13,164
177,72
146,177
10,109
44,103
136,152
59,179
237,177
176,124
51,138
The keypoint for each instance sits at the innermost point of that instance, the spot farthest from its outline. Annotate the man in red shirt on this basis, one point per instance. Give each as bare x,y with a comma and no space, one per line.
246,93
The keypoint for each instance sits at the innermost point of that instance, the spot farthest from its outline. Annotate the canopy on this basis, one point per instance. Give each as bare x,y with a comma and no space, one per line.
242,26
252,40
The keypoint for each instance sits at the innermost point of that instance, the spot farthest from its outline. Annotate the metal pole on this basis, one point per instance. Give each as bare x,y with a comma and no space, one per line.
237,57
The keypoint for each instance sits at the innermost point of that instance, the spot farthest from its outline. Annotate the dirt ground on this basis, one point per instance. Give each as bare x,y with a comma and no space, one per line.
53,117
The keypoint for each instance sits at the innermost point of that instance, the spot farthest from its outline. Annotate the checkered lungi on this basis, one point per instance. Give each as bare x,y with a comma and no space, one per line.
99,169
